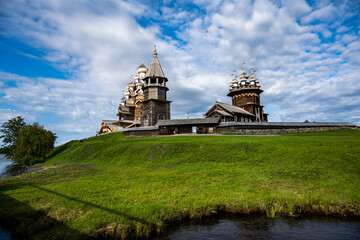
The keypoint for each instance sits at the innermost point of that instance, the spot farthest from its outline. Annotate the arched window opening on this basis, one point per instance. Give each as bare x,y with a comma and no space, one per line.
161,116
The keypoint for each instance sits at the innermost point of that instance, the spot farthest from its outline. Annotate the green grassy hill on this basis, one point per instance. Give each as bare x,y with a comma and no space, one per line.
110,186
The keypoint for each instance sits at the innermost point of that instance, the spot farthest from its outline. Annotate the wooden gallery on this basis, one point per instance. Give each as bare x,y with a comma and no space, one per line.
145,111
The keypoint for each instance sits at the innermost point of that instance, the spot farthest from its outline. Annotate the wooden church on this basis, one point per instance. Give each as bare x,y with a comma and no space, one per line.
145,104
245,98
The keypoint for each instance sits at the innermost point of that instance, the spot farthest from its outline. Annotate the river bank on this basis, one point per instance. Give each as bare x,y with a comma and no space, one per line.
111,186
10,169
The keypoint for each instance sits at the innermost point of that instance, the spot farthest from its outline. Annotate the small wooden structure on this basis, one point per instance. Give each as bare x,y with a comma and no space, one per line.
188,126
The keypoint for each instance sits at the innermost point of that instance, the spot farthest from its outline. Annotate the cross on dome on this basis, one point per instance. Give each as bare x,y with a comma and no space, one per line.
234,74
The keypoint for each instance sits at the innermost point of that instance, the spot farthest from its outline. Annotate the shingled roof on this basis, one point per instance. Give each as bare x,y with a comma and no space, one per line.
223,113
189,121
229,108
155,69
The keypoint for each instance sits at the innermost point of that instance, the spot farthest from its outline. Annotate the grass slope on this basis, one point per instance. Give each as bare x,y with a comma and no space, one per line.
131,187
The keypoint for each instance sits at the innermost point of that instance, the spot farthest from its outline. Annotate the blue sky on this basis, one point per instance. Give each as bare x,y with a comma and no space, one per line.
66,63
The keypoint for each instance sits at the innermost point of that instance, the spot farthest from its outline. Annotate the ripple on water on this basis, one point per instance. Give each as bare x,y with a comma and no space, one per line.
261,227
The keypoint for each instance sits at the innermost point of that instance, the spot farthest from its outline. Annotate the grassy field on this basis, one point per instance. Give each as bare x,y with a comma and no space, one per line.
111,186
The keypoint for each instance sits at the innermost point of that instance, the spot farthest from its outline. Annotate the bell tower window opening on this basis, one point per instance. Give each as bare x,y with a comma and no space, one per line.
161,116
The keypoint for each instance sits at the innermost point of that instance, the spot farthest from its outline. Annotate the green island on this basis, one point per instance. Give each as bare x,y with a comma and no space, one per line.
115,187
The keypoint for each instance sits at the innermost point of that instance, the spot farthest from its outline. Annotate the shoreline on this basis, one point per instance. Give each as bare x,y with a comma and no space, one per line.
131,231
136,187
21,169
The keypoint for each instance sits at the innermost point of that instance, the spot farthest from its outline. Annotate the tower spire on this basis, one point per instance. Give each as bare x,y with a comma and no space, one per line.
155,69
155,53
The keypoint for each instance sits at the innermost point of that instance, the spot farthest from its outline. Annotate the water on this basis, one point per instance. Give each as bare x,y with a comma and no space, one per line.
260,227
5,235
8,168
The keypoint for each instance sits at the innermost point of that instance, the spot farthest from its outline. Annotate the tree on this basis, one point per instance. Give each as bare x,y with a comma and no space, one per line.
26,144
32,144
10,131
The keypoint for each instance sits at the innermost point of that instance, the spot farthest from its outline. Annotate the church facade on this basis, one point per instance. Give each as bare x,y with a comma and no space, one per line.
144,102
245,98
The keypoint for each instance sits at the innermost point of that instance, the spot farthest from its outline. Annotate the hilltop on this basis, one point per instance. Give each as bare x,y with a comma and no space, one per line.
110,186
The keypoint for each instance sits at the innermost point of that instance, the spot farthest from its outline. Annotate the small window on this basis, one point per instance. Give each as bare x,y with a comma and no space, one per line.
146,121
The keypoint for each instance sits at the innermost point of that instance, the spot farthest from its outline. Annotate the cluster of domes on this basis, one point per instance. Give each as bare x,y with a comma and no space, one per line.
244,81
136,84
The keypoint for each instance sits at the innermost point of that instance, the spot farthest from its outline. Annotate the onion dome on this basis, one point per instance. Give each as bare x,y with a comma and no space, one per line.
131,87
234,83
139,83
142,68
136,78
256,80
131,84
252,80
243,76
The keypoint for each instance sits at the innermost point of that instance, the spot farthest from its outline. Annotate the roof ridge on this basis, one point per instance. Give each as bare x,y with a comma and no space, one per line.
227,106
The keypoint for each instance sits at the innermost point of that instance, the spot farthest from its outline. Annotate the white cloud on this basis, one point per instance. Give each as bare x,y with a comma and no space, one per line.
324,14
296,8
6,114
